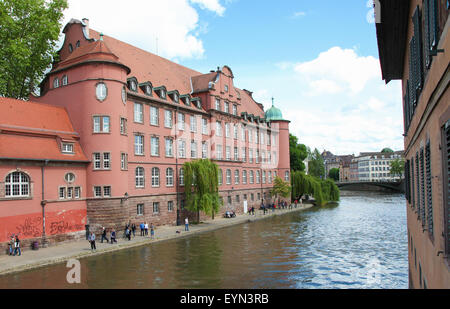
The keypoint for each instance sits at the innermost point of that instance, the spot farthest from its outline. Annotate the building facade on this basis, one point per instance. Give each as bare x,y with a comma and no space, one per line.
376,166
414,47
140,117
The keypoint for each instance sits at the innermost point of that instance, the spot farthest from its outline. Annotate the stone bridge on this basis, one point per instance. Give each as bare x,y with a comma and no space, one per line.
381,186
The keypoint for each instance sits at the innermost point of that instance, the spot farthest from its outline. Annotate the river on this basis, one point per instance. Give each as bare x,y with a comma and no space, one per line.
360,243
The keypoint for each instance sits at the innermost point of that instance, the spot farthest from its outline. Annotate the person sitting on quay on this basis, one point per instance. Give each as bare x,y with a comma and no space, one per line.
104,235
113,236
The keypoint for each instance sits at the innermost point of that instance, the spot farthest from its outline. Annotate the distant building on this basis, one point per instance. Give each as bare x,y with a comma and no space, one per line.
376,166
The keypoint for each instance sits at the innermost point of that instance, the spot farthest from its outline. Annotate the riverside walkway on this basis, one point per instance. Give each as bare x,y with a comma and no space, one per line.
60,253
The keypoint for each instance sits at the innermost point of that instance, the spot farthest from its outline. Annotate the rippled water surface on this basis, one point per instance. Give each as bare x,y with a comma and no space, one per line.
361,243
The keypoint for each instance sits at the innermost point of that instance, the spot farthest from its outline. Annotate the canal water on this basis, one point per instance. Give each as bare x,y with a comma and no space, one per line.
360,243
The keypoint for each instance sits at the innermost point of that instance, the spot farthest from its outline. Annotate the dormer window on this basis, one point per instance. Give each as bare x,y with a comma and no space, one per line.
197,102
67,147
56,83
78,44
70,48
161,91
147,88
226,88
186,99
132,84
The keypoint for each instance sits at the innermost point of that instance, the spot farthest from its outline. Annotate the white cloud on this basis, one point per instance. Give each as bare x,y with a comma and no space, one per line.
298,14
169,28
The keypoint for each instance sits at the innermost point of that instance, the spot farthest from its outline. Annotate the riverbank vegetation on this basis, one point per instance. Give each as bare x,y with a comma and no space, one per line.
323,191
201,176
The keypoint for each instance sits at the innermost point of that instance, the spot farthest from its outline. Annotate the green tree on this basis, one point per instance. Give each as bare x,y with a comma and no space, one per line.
316,166
323,191
29,31
334,174
201,185
280,188
397,167
298,153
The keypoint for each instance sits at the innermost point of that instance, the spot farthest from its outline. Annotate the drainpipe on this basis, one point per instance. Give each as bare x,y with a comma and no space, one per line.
176,167
43,203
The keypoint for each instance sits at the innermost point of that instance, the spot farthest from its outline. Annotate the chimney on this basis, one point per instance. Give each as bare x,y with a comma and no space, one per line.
86,24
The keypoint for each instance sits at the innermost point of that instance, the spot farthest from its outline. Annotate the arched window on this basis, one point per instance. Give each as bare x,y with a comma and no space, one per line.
228,177
140,179
181,177
244,177
257,177
236,177
169,176
155,177
220,177
17,184
252,177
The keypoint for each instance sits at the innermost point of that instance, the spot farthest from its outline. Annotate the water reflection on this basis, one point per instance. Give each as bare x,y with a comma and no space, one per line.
360,243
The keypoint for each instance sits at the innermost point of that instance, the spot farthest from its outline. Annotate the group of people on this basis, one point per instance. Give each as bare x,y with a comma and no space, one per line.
144,229
14,245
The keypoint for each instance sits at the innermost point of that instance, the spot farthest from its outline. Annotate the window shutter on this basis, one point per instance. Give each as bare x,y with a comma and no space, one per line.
418,184
412,82
412,183
417,46
429,188
426,33
422,187
433,24
407,182
446,184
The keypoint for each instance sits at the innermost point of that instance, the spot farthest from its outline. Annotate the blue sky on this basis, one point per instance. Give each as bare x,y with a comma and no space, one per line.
318,59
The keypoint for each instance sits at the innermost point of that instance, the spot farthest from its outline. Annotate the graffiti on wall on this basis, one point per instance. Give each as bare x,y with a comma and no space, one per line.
60,227
30,227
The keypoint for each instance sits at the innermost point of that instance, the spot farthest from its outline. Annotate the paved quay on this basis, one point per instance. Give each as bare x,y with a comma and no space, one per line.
79,249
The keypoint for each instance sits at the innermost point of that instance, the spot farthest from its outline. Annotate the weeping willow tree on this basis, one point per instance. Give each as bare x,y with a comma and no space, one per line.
280,188
201,184
324,191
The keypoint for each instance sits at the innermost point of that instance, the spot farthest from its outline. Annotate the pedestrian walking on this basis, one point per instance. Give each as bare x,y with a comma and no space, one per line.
17,246
104,235
133,229
152,230
11,245
146,228
186,224
92,241
113,236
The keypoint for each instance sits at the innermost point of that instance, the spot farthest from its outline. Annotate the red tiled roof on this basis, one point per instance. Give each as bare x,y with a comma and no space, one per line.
30,130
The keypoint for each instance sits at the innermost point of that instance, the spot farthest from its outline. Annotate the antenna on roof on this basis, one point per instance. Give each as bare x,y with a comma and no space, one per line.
272,101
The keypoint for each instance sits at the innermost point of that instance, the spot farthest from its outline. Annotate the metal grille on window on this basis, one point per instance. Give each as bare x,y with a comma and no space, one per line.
429,189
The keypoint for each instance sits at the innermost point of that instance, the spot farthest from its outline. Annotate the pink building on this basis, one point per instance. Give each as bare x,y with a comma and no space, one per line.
140,117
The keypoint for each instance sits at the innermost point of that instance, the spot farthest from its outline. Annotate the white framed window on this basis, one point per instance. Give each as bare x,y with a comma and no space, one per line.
220,176
244,177
65,80
243,133
62,193
55,83
97,191
139,144
181,148
106,160
263,176
97,160
170,206
228,177
181,121
69,177
77,192
286,176
138,112
234,109
140,177
226,88
235,131
101,91
193,123
218,128
169,177
154,116
124,95
154,145
250,135
204,150
257,176
236,177
123,161
168,118
250,155
219,152
204,126
244,155
227,107
155,207
67,147
257,156
252,177
193,149
227,152
217,104
155,177
101,124
169,147
236,154
140,209
17,184
123,126
106,191
181,177
227,130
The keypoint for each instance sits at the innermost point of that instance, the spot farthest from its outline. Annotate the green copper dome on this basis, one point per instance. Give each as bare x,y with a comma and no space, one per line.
273,113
